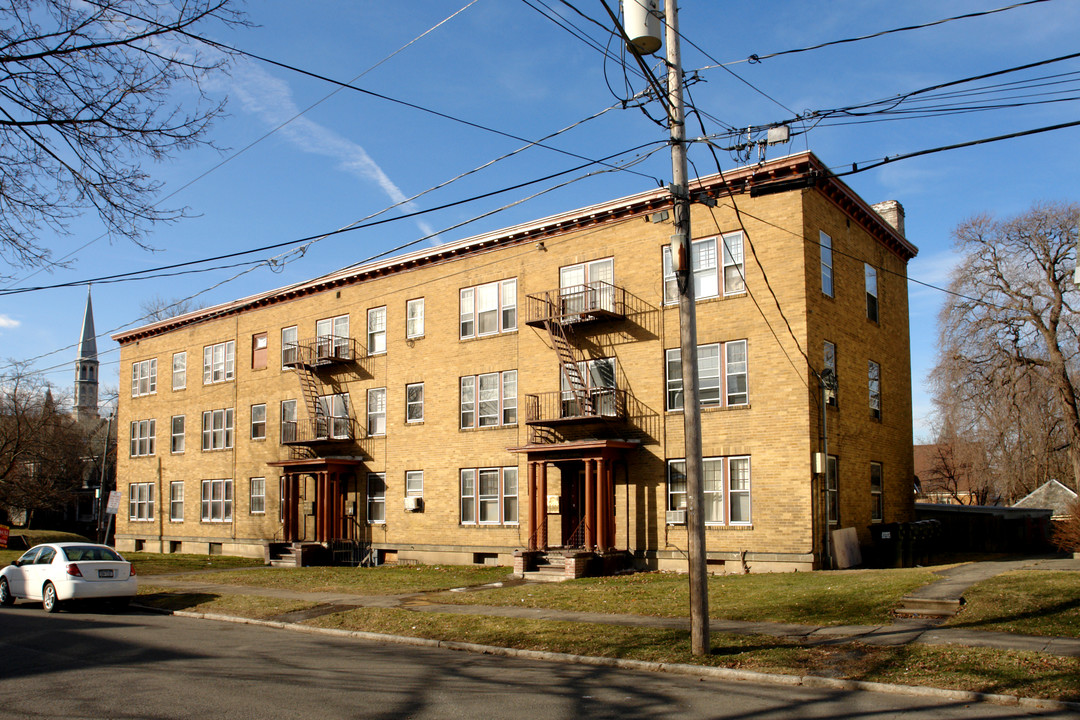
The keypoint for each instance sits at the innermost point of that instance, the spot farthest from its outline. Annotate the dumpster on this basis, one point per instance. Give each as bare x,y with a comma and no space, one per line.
887,549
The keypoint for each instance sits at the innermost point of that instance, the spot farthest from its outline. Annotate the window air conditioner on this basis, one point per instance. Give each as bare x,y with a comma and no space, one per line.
414,503
676,517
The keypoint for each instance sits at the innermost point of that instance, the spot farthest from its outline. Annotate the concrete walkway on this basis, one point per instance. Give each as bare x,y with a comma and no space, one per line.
954,581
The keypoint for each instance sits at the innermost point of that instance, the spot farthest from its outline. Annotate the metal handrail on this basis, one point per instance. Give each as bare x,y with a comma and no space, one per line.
604,403
320,429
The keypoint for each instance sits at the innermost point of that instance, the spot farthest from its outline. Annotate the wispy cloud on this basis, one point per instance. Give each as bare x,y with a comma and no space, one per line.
6,321
271,99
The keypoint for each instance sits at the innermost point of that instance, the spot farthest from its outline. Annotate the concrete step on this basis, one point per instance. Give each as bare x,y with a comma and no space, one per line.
929,607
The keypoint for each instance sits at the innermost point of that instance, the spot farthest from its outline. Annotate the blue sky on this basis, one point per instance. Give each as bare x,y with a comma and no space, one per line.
503,65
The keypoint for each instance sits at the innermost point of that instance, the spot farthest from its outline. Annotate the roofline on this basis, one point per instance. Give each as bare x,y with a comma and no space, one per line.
792,172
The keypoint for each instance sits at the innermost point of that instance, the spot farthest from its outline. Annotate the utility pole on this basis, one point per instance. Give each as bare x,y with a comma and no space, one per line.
682,261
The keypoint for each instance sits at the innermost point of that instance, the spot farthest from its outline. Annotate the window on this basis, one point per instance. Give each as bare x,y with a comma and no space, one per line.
258,351
217,429
332,338
703,260
717,473
219,362
826,265
871,292
732,391
288,421
290,347
877,506
376,411
217,500
141,501
587,286
142,437
177,443
832,489
179,371
414,403
376,330
333,417
144,377
257,495
599,378
176,501
414,318
874,386
258,422
489,496
376,498
489,400
830,373
414,483
488,309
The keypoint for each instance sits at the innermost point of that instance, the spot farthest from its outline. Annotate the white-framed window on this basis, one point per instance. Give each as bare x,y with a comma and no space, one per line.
826,264
870,273
376,411
414,318
376,330
599,377
258,421
143,434
217,499
704,261
176,501
179,371
722,375
830,365
489,496
376,498
257,496
414,483
141,502
726,484
219,362
877,504
832,489
873,377
332,337
414,403
290,347
288,421
587,286
144,377
489,400
217,429
488,309
334,412
176,444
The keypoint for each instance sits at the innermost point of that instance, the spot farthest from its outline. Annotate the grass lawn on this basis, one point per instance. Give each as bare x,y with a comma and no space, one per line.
849,597
974,669
1029,602
157,564
249,606
384,580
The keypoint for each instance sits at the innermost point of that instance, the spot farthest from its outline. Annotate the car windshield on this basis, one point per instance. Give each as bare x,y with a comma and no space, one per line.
89,553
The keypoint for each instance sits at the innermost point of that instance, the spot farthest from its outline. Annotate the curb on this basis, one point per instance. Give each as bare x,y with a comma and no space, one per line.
810,681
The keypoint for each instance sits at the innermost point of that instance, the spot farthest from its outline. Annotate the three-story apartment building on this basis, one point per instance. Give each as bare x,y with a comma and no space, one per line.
521,390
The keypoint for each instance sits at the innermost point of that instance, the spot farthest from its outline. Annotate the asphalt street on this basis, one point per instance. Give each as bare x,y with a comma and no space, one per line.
89,664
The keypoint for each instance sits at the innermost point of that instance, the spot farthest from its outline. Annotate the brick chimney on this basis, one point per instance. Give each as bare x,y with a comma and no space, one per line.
893,213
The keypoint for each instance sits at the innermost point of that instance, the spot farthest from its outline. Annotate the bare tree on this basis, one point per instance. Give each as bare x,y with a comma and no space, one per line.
43,450
158,308
87,92
1010,346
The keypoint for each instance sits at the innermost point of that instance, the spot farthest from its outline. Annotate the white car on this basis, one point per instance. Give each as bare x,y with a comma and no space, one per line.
57,572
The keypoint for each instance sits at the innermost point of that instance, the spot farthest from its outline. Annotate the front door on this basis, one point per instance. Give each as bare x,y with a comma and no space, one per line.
573,505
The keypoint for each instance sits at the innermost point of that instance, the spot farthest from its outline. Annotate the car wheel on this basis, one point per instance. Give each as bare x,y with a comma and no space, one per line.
6,598
48,598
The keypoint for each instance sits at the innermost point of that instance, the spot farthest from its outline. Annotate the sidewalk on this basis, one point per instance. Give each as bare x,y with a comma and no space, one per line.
927,631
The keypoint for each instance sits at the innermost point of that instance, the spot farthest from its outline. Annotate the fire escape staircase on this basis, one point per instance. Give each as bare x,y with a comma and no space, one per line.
307,359
570,363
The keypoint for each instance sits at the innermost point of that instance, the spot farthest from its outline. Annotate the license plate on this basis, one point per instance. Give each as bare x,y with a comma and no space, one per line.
104,573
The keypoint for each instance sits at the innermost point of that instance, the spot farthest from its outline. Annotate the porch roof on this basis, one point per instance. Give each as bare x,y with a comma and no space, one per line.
576,448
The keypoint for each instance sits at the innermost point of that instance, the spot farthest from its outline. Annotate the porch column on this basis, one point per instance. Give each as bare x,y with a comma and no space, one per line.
541,508
533,505
603,508
609,494
292,508
590,505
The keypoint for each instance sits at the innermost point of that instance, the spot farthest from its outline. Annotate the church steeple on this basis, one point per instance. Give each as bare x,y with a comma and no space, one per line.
86,367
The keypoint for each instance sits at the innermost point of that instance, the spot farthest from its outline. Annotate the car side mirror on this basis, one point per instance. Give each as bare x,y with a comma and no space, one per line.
16,563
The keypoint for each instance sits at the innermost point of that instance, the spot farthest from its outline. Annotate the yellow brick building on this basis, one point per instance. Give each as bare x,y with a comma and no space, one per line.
520,390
